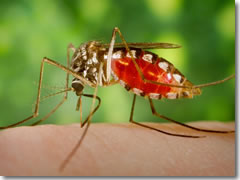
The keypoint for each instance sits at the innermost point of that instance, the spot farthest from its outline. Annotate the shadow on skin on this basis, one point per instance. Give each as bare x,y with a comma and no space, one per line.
118,150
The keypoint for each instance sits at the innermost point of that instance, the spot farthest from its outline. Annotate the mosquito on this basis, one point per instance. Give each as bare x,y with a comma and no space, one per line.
139,71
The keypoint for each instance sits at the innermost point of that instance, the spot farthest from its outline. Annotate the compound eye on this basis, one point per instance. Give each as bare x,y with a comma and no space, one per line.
77,86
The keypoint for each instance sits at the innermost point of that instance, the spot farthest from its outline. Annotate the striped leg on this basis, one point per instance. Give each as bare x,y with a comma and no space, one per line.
155,113
35,114
70,47
158,130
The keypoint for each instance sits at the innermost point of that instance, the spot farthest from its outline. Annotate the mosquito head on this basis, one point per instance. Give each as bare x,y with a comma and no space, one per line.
77,85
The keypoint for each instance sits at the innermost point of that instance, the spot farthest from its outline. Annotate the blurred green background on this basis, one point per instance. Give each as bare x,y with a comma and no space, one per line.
30,30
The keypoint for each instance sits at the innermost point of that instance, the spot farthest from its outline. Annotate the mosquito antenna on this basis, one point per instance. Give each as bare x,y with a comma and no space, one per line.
215,83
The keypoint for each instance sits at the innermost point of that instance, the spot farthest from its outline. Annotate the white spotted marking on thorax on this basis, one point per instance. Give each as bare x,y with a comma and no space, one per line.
83,51
94,70
90,61
105,56
77,69
96,76
78,54
85,73
94,58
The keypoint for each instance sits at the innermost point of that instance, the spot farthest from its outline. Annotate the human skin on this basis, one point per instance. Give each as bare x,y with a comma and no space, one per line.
118,150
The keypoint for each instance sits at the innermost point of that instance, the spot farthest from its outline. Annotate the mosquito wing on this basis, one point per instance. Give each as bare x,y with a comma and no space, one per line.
145,45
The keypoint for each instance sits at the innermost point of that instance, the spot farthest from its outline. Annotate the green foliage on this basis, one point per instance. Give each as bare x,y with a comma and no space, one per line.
30,30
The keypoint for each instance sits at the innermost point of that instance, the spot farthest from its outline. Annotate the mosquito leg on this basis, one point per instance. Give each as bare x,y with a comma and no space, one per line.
154,112
74,150
69,71
58,65
96,108
80,104
70,47
35,114
149,127
50,113
99,78
132,109
18,123
79,107
112,82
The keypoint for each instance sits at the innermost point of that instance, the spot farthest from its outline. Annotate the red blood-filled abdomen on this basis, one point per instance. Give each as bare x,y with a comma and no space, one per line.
126,71
153,68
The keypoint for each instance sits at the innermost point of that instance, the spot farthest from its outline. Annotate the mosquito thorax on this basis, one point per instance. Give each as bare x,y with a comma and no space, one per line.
86,61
